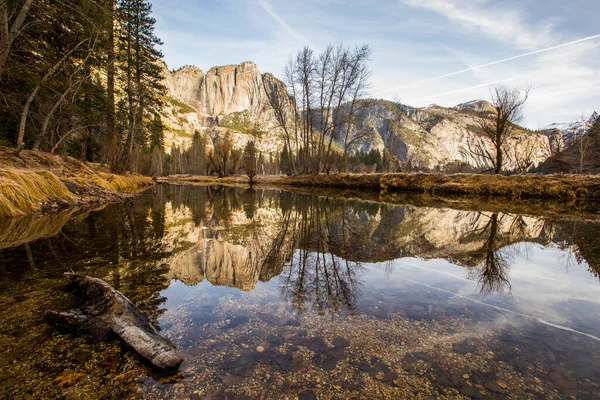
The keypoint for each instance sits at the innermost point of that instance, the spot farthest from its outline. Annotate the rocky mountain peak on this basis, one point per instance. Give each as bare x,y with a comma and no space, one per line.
475,105
236,97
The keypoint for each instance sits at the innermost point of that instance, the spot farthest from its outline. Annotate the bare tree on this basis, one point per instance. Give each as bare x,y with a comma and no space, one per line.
284,109
581,142
221,159
496,128
11,28
325,93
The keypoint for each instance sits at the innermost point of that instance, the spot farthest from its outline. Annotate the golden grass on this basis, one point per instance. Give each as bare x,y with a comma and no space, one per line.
26,191
35,179
16,231
563,187
127,183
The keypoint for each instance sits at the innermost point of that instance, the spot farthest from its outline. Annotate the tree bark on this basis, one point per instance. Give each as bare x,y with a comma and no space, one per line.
9,34
25,112
104,311
111,137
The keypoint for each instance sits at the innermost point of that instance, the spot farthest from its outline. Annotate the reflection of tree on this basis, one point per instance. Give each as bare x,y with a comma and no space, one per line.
314,277
581,242
492,272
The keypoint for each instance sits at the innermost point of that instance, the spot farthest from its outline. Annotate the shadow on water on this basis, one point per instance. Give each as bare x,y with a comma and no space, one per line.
250,281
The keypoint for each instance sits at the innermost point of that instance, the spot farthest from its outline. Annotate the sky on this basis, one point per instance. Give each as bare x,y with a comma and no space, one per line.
425,52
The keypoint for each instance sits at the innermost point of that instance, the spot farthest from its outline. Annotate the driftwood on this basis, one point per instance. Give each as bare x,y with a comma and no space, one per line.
105,310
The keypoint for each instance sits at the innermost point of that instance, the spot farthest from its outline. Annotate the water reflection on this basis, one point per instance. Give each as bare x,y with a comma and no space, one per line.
226,271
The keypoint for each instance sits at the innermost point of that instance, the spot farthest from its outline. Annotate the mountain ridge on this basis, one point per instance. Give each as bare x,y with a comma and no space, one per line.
432,137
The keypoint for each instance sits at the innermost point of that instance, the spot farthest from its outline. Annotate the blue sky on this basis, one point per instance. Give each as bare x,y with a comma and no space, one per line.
424,51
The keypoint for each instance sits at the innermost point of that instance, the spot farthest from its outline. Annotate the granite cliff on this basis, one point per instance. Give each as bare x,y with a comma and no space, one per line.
234,98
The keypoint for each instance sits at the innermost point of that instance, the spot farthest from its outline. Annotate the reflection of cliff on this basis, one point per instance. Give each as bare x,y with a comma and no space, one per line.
407,231
237,237
235,244
221,263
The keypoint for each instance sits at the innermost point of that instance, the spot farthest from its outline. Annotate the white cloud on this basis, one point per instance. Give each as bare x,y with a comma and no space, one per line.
500,23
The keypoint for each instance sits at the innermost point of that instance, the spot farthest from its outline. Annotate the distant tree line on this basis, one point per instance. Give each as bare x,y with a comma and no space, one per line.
214,153
577,151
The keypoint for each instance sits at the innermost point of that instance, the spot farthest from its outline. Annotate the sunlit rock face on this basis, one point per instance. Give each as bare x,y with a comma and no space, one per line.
209,97
234,88
430,137
185,84
238,256
435,137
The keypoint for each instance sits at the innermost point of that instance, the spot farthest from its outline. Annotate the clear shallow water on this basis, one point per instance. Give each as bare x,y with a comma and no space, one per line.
271,294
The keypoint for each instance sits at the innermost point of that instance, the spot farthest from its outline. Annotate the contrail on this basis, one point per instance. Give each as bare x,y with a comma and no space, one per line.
266,6
468,89
491,63
483,303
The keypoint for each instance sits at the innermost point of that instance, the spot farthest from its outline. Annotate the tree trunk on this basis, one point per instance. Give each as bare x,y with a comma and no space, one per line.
498,167
104,311
111,138
8,35
25,113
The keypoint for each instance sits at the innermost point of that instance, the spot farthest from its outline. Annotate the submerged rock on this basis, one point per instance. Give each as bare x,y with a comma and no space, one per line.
106,311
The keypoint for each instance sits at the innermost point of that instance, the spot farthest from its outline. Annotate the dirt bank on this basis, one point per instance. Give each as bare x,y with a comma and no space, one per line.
41,182
560,187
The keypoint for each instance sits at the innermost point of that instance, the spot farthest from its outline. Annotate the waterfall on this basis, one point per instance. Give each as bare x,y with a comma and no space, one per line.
204,105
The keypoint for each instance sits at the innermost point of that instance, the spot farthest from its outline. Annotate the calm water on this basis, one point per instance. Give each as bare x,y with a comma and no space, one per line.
271,294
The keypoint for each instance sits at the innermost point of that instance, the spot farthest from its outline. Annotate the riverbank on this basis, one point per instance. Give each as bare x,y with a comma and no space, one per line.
235,180
557,187
41,182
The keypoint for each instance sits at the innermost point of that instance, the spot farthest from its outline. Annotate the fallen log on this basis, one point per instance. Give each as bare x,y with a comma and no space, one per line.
105,310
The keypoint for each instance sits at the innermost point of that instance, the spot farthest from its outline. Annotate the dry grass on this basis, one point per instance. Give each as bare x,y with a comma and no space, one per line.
346,181
24,191
127,183
563,187
36,180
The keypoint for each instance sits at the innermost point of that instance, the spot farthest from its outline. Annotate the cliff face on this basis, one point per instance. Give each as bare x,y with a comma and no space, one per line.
226,98
234,98
436,136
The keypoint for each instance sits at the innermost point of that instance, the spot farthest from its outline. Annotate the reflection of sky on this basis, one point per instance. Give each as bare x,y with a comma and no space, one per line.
545,284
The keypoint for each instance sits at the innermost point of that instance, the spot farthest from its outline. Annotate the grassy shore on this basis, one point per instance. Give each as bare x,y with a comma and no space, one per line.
235,180
41,182
558,187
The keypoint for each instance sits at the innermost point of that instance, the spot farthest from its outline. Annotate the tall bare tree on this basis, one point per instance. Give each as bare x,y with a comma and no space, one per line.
497,127
325,92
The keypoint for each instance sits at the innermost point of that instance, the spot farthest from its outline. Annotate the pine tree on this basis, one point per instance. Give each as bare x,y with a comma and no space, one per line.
142,75
284,162
197,155
249,159
156,133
